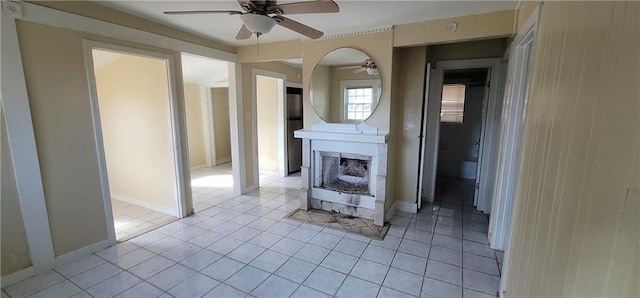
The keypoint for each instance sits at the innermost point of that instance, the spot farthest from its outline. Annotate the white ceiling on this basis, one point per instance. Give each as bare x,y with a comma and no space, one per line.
354,16
204,71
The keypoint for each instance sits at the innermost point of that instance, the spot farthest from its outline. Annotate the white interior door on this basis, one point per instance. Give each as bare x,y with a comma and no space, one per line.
431,131
422,135
478,200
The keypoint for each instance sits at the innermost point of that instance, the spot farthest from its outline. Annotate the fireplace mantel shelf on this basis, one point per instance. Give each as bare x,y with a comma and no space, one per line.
340,136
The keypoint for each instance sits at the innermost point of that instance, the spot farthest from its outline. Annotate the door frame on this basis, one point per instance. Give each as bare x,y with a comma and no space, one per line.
177,125
209,130
433,106
282,146
423,150
521,57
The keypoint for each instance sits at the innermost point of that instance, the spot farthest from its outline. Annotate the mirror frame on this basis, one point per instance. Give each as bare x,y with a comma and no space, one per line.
378,92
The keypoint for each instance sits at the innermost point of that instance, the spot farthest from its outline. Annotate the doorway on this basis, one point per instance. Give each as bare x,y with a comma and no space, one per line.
269,137
135,122
294,122
206,89
475,161
463,96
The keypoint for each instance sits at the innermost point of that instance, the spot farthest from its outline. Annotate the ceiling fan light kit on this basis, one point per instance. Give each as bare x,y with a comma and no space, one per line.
257,23
257,18
372,71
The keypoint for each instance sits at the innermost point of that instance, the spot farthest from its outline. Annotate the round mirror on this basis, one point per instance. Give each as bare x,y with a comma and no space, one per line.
345,86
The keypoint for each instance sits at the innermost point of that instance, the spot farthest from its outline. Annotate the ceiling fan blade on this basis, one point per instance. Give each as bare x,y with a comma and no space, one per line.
318,6
186,12
298,27
350,67
359,70
247,5
244,33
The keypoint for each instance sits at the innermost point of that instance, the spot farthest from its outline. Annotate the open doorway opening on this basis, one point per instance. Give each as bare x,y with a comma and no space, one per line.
270,126
472,157
135,122
294,122
206,89
268,93
464,94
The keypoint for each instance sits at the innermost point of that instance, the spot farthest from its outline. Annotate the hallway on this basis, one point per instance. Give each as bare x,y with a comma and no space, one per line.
241,246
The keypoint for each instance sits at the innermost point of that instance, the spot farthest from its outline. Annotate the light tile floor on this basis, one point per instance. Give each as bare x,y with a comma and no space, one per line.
132,220
241,246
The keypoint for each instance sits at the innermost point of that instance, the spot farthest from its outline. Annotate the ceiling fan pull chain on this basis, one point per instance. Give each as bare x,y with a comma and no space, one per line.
258,42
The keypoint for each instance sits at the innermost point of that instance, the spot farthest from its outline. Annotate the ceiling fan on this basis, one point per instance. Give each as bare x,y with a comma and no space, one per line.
368,65
259,16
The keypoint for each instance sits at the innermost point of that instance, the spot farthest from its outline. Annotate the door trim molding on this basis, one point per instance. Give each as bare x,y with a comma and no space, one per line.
519,76
24,154
177,127
236,119
208,123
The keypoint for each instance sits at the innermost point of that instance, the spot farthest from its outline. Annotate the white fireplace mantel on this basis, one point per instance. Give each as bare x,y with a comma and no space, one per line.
344,139
341,136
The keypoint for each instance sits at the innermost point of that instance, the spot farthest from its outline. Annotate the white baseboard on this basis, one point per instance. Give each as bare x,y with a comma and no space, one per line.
199,167
131,200
83,252
223,160
16,277
406,207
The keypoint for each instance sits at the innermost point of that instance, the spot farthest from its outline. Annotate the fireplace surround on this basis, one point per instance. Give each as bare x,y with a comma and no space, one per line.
344,172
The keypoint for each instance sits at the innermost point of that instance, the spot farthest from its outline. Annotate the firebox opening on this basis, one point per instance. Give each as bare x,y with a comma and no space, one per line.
345,175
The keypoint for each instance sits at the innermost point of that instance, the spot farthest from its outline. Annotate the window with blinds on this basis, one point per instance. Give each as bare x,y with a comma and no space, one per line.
452,109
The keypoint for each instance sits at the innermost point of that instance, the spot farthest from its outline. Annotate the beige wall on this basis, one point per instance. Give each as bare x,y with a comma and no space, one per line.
294,75
577,215
57,85
268,52
409,85
267,105
220,104
489,48
134,101
471,27
195,124
14,248
59,101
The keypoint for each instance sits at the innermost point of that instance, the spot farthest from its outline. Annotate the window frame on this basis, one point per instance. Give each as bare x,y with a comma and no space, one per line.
357,84
464,100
